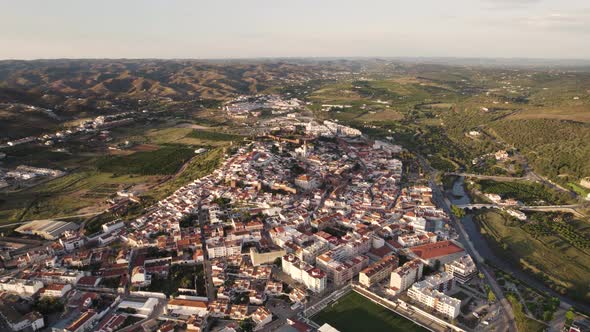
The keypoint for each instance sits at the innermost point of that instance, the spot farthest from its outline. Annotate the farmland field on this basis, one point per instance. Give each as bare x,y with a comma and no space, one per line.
67,195
166,160
549,255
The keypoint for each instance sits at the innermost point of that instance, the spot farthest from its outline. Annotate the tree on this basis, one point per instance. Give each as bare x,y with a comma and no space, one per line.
247,325
569,316
547,315
457,211
48,305
186,282
491,296
436,266
278,262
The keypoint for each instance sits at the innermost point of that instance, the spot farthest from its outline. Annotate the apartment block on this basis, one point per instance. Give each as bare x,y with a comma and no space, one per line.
378,271
463,269
404,276
314,279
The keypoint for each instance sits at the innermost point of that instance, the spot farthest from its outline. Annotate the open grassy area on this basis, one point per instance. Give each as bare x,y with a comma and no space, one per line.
213,136
579,189
548,256
180,276
523,323
353,312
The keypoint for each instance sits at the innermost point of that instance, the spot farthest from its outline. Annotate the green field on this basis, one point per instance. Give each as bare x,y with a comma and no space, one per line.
213,136
164,161
547,255
199,166
527,192
353,312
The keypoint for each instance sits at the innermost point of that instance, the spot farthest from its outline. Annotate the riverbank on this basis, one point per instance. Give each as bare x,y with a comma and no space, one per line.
491,250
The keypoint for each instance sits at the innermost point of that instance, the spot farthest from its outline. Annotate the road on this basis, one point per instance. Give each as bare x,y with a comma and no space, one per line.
438,197
211,293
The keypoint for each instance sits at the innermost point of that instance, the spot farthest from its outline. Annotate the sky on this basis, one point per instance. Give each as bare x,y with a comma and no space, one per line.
551,29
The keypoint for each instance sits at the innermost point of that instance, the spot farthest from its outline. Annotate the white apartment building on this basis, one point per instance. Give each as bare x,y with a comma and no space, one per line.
112,226
57,290
463,269
72,241
436,300
309,253
431,293
224,248
314,279
416,239
21,286
404,276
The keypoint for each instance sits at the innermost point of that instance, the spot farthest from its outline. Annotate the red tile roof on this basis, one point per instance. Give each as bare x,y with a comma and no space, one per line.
438,249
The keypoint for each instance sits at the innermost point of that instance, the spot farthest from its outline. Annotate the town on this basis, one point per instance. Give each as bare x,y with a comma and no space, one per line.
294,219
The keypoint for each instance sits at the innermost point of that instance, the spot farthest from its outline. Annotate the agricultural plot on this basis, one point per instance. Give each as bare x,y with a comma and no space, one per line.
554,259
164,161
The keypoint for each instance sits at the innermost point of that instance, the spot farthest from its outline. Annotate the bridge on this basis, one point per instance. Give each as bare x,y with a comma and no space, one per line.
478,206
489,177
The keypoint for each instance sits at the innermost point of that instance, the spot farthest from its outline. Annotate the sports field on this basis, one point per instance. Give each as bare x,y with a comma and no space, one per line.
353,312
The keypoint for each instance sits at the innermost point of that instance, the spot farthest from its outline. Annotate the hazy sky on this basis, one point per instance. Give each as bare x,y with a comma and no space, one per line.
293,28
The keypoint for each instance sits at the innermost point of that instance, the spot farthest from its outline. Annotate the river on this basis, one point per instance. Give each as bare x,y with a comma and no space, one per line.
459,196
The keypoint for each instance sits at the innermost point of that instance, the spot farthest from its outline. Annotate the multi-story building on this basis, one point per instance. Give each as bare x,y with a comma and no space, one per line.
112,226
313,278
306,182
310,252
56,290
261,316
404,276
463,269
72,241
187,307
224,248
443,282
430,292
411,240
378,271
21,286
60,276
436,300
17,322
196,323
341,271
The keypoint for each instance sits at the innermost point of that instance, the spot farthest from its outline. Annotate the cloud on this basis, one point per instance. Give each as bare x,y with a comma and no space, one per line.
510,4
570,21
